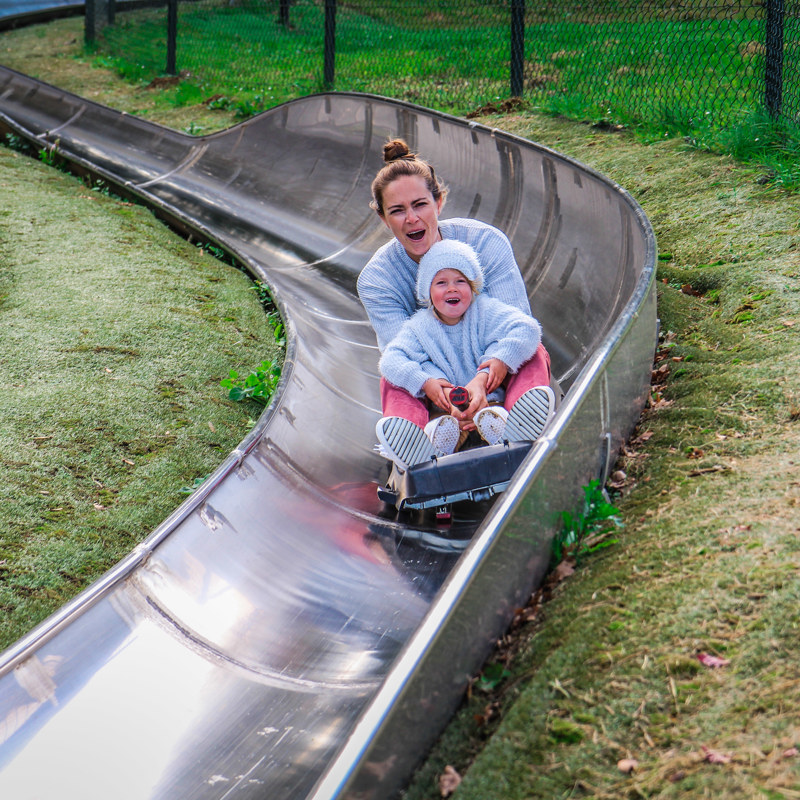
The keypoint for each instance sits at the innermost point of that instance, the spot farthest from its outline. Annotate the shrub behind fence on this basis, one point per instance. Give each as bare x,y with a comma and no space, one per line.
627,60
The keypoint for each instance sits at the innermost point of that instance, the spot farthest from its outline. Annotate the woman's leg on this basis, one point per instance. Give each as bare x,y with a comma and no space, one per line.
535,372
397,402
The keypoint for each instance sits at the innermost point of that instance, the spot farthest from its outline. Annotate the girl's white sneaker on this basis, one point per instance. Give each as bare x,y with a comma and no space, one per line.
444,434
491,423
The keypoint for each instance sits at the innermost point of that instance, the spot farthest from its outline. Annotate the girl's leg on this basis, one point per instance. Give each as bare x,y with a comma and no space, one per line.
408,433
535,372
397,402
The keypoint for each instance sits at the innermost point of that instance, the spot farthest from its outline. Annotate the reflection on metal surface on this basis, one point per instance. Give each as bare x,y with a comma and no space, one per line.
278,636
17,7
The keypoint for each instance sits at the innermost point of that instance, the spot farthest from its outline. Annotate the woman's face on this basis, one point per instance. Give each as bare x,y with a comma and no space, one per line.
412,215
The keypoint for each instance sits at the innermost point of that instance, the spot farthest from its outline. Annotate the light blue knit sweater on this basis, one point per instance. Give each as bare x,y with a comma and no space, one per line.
386,285
426,347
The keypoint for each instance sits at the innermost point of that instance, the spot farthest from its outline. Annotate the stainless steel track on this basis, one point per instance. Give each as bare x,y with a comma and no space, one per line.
276,637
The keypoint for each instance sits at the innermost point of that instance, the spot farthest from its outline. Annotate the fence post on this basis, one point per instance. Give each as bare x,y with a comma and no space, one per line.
283,13
773,64
517,46
330,43
97,15
89,34
172,35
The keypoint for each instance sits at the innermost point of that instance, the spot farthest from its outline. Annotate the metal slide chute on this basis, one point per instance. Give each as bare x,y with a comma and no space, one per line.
278,635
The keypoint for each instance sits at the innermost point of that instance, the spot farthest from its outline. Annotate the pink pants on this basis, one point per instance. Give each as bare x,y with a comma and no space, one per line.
397,402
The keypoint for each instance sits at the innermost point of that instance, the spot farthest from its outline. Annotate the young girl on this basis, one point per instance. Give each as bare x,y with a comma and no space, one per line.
460,334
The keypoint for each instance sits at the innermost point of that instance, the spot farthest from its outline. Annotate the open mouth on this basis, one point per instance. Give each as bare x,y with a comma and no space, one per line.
416,236
453,301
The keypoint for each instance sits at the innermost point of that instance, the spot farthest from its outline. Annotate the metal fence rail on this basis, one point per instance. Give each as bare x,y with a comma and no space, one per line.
703,61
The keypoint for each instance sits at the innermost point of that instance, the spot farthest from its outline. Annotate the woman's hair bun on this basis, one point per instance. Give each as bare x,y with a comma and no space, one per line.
395,149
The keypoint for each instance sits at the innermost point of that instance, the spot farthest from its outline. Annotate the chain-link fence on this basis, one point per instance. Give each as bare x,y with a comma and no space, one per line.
691,62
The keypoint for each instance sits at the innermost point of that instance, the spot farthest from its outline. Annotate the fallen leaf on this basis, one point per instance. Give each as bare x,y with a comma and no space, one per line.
661,372
448,781
715,757
661,404
627,765
712,661
790,753
562,571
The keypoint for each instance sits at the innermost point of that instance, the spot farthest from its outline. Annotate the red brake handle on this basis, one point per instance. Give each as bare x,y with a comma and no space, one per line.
459,397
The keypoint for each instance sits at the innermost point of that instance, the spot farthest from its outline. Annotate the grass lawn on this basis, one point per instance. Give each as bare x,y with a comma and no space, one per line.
115,336
604,696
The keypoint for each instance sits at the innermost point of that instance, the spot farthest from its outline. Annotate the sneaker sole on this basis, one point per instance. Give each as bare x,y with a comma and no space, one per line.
445,435
530,414
491,426
405,442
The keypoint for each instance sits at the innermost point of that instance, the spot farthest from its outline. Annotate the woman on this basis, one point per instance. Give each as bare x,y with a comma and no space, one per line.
409,197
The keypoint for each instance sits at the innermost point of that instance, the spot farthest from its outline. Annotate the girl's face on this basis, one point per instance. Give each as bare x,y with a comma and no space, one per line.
451,295
412,215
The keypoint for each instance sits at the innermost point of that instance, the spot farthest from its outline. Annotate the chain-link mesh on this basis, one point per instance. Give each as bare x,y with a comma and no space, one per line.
629,60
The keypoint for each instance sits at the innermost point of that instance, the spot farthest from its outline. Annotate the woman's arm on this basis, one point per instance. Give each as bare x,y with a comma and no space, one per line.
386,289
502,277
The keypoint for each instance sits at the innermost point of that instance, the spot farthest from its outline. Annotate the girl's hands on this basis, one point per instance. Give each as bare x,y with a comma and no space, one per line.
497,373
437,391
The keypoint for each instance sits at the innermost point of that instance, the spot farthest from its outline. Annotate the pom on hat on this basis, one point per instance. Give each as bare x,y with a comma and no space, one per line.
447,254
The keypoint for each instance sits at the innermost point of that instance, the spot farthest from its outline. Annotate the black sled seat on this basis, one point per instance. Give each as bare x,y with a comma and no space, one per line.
476,474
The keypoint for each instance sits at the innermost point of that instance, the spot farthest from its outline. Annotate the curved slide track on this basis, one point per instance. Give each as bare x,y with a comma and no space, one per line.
18,13
278,636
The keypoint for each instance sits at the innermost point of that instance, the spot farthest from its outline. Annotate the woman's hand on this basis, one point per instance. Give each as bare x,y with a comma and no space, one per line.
497,373
437,391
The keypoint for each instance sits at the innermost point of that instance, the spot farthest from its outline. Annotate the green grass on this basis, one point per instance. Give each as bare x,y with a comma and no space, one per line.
610,67
115,336
696,74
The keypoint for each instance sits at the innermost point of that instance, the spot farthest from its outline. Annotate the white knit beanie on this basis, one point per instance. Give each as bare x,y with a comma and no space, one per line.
447,254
